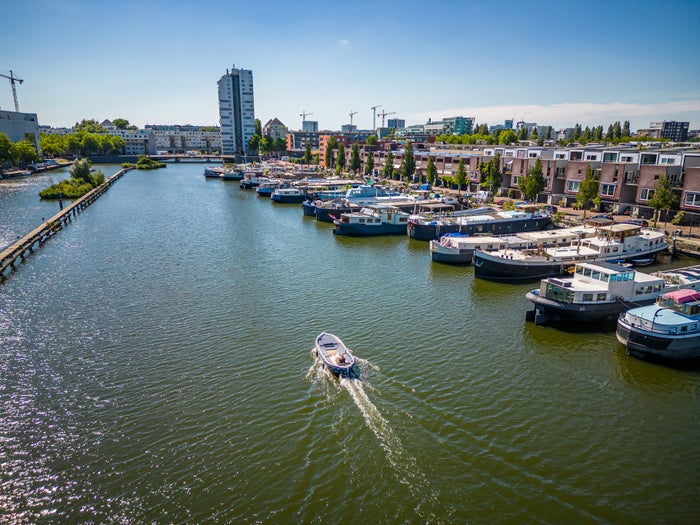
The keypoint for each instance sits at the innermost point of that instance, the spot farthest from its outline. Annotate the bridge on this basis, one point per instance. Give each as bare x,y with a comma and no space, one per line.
22,248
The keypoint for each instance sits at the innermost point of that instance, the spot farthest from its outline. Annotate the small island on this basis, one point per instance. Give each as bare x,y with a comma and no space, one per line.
82,181
145,163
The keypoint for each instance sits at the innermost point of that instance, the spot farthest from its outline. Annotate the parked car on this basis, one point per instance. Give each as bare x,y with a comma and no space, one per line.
639,222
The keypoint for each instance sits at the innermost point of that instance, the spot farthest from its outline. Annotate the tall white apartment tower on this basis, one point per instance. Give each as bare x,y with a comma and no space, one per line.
236,111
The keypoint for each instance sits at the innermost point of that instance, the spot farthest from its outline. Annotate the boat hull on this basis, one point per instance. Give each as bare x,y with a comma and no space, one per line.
288,199
440,254
427,232
498,269
644,344
365,230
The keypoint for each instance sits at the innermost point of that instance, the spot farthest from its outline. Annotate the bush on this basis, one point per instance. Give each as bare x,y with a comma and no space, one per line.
146,163
678,219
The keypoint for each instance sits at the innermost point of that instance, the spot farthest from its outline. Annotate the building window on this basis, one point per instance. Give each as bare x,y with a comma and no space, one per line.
692,199
573,186
645,194
607,189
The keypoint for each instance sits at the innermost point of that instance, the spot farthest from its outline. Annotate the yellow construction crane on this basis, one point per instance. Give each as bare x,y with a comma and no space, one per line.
384,114
351,115
12,78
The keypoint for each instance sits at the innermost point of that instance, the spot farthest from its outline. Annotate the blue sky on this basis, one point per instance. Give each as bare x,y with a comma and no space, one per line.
551,62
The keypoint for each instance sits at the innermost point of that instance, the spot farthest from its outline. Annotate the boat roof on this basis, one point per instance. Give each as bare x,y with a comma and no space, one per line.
688,275
683,296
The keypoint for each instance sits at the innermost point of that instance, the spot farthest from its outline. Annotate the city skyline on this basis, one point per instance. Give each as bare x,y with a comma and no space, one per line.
554,63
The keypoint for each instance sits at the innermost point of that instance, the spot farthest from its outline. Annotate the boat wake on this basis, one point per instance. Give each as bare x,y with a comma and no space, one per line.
404,465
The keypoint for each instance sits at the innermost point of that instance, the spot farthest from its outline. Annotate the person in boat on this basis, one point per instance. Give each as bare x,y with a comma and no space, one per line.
341,359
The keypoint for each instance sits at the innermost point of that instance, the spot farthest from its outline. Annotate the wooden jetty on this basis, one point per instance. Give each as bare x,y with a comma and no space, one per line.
21,249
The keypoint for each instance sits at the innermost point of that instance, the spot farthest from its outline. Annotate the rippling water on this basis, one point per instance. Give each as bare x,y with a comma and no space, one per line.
156,366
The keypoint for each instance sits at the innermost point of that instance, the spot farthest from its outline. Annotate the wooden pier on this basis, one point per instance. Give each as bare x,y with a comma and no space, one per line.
22,248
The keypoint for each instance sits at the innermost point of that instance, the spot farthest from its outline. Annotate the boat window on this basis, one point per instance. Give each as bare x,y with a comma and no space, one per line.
602,296
587,297
579,270
361,220
587,272
657,288
684,329
596,275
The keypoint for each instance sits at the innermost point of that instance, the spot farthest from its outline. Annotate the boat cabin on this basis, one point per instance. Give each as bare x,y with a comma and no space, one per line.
684,301
602,282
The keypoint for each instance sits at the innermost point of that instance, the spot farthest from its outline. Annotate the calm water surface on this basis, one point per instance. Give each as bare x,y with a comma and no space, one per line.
156,366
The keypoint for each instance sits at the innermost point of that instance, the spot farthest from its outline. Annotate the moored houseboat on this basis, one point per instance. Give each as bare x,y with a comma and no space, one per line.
288,195
457,248
668,330
601,291
614,242
376,219
477,221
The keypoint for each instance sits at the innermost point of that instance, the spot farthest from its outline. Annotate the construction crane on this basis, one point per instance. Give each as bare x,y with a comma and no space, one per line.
374,115
351,115
384,114
12,78
303,115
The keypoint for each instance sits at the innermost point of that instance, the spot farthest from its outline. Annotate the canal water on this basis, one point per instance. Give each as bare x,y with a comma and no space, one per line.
156,366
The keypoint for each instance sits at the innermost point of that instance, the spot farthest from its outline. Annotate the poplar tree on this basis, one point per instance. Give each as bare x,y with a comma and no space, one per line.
388,170
431,171
307,153
355,159
369,163
340,160
461,177
408,166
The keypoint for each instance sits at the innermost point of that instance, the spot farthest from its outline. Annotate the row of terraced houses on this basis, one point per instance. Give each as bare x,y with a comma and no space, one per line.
628,175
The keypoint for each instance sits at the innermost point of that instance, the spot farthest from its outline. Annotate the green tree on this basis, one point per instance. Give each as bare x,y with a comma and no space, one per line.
522,133
431,171
258,128
491,175
507,136
664,198
254,143
340,160
25,151
307,153
369,163
89,126
534,135
617,130
408,166
548,135
355,162
265,145
52,145
89,143
388,169
8,155
81,170
371,140
626,128
332,144
588,189
121,123
610,135
533,183
461,177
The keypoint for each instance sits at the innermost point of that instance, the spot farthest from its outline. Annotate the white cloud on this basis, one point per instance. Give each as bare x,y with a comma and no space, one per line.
570,113
344,42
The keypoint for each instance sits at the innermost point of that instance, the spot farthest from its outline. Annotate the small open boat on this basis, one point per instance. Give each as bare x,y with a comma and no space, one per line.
335,355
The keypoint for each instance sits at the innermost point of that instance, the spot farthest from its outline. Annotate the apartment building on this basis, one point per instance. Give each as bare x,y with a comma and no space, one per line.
236,111
181,139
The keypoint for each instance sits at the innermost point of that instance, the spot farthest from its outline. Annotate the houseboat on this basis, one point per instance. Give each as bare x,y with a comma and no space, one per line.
457,248
601,291
481,221
288,195
377,219
668,330
614,242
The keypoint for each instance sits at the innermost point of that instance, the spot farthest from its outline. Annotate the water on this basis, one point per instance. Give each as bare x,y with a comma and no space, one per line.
156,365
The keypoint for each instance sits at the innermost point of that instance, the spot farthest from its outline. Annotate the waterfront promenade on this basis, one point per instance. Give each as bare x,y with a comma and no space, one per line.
24,246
